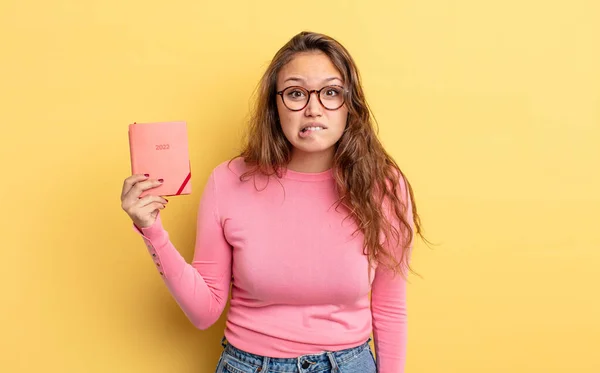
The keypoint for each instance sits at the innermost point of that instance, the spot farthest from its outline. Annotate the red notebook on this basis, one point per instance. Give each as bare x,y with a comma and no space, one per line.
161,150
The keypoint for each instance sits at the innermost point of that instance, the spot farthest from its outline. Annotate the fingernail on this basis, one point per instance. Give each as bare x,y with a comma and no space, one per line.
147,175
160,180
166,200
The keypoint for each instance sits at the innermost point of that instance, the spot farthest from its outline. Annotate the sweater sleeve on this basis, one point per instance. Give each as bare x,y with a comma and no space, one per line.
388,307
201,288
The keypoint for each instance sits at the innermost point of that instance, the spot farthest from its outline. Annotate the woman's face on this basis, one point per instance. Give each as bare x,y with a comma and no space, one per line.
314,129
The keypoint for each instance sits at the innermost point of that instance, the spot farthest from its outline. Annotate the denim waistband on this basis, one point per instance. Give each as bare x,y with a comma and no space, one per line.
271,364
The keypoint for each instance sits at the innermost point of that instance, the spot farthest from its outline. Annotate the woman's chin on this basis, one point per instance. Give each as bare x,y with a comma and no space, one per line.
314,147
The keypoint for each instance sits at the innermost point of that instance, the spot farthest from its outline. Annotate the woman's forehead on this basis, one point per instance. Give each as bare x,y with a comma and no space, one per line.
310,68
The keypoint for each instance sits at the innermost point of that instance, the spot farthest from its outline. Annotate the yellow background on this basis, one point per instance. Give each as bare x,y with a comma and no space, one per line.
491,108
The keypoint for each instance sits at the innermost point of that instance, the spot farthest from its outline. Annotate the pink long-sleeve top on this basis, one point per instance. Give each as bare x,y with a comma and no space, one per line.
298,276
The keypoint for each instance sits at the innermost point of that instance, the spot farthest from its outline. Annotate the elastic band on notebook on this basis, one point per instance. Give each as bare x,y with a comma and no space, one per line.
187,179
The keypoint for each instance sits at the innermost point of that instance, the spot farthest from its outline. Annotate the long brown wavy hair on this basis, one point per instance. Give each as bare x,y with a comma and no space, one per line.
366,176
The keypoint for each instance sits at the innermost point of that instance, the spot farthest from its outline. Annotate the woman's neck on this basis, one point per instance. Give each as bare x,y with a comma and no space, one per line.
311,162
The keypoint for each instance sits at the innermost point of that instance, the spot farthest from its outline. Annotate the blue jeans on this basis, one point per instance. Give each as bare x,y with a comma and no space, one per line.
353,360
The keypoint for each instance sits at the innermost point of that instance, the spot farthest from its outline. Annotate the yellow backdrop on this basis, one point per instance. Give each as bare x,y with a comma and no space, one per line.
491,108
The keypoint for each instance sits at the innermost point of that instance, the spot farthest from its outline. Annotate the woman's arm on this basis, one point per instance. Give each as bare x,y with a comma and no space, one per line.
201,288
388,307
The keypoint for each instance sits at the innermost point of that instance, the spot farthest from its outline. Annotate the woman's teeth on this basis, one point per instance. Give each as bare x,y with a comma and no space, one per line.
312,129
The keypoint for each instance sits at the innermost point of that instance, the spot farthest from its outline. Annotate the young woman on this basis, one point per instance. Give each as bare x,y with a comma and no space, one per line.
308,221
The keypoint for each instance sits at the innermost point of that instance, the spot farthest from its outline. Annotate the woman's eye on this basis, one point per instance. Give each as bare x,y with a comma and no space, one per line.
332,92
296,94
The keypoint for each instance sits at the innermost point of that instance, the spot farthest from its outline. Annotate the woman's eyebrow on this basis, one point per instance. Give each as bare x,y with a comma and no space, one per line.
298,79
332,78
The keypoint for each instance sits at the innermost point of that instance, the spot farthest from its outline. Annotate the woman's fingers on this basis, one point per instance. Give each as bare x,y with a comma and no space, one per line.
129,182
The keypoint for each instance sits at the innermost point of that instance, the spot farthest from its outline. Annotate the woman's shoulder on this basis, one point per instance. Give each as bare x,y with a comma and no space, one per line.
231,168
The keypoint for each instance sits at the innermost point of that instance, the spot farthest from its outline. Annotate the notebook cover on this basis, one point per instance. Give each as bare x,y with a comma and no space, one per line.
161,150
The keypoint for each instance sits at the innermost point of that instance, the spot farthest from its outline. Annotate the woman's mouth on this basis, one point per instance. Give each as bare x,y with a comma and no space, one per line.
309,130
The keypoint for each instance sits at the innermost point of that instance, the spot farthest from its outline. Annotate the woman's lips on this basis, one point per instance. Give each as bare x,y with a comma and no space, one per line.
310,130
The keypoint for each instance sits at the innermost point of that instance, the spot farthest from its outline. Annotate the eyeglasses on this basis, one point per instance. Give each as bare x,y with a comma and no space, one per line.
296,98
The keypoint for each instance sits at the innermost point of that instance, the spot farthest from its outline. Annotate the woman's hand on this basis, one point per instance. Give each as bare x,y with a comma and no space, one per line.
142,211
